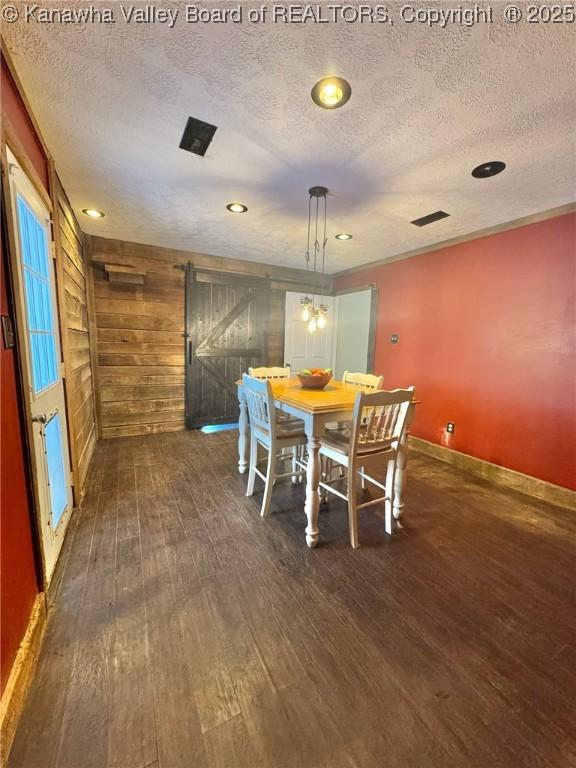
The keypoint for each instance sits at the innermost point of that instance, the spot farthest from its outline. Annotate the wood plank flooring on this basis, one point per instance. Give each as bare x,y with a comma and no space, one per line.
187,632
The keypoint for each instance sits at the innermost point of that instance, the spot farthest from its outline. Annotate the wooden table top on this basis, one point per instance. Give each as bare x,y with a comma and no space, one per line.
335,396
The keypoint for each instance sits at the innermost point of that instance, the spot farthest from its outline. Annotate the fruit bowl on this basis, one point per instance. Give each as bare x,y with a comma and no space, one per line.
314,380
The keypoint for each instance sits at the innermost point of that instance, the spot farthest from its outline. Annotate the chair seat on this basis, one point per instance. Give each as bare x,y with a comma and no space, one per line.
287,418
340,441
332,426
285,431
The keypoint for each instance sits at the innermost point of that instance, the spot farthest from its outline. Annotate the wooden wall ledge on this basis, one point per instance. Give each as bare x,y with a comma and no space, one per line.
127,275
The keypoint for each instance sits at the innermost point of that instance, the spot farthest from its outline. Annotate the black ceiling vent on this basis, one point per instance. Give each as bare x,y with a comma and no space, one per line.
197,136
436,216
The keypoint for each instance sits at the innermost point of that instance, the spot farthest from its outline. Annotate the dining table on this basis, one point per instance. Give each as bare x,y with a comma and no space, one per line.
317,408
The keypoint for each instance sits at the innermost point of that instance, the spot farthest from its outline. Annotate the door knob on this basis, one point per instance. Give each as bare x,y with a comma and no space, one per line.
43,418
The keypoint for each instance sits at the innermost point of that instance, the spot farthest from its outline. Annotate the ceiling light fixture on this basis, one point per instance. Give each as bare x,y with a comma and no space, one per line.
486,170
343,236
312,314
331,92
94,213
237,208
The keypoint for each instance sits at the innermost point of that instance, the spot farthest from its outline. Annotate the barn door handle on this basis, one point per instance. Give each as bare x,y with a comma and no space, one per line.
189,352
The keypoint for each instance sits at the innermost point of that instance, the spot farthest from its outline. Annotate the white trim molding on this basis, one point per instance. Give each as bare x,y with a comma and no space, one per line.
532,486
21,675
497,229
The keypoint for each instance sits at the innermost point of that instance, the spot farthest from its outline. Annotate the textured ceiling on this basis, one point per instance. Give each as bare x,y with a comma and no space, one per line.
427,106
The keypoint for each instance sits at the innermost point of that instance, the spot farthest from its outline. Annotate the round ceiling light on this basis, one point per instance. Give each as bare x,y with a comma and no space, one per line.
343,236
237,208
486,170
331,92
94,213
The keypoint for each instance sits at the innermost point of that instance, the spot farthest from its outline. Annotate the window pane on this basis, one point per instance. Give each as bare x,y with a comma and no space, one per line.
56,476
39,309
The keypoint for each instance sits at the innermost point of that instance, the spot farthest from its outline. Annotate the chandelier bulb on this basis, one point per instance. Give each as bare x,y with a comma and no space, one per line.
305,314
321,322
312,325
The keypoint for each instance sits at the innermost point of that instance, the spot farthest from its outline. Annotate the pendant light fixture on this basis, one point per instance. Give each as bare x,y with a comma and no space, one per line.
312,314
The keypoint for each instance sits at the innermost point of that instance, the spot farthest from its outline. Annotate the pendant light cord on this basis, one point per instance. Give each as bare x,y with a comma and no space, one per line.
308,246
316,243
324,244
316,192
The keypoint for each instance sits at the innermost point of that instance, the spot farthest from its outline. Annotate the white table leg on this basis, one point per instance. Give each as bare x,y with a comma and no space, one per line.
243,433
312,507
401,465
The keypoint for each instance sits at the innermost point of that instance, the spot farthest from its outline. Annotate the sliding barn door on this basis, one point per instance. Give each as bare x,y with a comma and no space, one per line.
226,332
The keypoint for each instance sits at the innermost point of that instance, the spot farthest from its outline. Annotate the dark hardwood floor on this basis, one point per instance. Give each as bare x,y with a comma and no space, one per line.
187,632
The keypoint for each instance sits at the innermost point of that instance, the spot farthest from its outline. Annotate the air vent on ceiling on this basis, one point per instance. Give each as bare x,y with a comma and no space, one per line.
197,136
436,216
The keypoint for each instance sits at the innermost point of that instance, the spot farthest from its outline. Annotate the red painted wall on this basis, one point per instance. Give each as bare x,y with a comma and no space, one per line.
487,334
18,578
18,574
14,110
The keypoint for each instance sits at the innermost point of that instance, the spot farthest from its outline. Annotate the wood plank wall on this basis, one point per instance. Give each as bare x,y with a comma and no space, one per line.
73,299
139,331
140,346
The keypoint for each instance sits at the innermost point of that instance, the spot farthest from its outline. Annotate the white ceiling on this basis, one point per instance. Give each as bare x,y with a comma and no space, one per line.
427,106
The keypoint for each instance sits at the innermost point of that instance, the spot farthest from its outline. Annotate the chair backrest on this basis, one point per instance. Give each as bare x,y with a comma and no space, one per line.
260,403
367,380
379,419
274,372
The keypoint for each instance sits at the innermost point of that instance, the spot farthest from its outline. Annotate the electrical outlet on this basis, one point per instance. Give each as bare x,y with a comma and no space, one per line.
394,338
450,427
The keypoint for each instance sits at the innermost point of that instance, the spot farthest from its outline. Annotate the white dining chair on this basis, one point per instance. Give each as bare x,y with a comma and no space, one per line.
360,380
276,373
365,380
270,372
373,439
273,436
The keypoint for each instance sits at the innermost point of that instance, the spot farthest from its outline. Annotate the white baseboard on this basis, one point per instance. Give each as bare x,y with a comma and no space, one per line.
21,675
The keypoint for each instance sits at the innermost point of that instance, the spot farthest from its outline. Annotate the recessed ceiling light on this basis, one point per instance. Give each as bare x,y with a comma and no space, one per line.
331,92
343,236
486,170
94,213
237,208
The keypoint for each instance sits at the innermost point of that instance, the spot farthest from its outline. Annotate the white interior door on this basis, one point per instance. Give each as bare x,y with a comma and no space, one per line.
353,317
41,347
303,349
